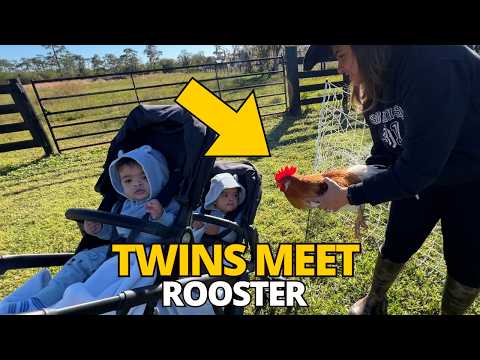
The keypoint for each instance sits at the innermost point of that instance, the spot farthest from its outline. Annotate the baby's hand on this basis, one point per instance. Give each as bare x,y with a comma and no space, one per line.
154,208
212,229
197,224
92,228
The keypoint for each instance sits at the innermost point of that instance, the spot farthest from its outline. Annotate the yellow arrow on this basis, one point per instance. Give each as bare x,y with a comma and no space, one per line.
240,132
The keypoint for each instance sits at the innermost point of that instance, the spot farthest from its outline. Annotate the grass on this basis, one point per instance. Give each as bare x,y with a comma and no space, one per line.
36,191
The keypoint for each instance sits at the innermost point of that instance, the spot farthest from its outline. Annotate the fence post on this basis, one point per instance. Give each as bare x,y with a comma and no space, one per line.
345,104
293,81
28,114
218,81
134,87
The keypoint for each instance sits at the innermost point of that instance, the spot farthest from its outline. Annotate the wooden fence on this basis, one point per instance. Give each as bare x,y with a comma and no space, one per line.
30,121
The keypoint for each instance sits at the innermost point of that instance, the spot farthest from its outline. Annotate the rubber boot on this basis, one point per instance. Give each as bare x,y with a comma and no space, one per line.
457,298
375,303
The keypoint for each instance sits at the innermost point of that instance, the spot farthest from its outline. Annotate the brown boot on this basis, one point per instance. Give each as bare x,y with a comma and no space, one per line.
375,303
457,298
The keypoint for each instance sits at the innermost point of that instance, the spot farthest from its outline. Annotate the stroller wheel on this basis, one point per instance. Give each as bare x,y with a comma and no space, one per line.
187,237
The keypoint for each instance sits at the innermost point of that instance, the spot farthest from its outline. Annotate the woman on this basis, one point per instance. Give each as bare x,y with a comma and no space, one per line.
422,105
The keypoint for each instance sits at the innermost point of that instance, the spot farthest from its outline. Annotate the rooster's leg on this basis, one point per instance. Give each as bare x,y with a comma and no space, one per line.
360,221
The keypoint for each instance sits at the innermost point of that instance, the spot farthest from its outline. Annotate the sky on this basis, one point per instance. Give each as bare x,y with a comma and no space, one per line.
16,52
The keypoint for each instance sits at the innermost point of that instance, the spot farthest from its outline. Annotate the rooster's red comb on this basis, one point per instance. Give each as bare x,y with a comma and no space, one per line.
286,171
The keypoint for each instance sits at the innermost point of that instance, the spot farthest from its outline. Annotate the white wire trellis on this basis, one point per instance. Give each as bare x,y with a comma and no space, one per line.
343,140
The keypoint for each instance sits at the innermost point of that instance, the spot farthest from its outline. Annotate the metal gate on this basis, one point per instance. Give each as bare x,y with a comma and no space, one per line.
89,110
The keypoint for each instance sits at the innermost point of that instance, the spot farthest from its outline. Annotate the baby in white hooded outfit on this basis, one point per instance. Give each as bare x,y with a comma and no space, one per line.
224,197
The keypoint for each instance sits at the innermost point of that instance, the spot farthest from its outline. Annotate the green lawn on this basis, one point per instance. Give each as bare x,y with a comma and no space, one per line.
36,191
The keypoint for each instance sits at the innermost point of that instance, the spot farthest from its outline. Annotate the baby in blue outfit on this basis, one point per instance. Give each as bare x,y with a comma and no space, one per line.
139,176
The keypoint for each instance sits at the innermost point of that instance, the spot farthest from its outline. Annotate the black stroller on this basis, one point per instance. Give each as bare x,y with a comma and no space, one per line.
183,140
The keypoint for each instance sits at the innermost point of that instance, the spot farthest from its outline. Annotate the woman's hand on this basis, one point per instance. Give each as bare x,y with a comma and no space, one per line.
333,199
154,208
92,228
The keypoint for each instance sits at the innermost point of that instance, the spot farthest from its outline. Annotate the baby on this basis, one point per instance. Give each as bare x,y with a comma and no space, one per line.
223,198
139,176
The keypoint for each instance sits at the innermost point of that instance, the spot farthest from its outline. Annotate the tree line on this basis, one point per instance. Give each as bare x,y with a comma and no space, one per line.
60,62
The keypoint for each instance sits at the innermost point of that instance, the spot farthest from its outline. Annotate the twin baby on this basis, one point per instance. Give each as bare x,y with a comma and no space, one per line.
138,176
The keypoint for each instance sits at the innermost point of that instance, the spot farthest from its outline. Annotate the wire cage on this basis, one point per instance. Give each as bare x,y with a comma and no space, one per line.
343,140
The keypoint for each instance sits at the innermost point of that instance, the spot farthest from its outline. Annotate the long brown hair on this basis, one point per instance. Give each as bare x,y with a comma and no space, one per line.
372,62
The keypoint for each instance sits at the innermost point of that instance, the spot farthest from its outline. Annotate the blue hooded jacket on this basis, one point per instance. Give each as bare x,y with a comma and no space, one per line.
156,171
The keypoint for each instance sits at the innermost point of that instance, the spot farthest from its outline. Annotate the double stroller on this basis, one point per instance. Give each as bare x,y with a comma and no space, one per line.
183,140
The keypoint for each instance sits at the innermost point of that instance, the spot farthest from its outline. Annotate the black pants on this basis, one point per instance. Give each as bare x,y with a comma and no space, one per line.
457,207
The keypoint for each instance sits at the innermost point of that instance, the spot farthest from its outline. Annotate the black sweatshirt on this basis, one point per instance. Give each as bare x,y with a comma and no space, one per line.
427,131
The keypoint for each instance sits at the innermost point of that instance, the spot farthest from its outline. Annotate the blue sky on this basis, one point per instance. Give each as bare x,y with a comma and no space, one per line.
16,52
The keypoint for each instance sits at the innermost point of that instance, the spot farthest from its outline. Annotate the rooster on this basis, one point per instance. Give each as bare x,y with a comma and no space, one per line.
301,189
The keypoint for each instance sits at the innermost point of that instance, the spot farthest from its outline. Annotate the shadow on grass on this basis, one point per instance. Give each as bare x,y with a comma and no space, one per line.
55,172
298,139
51,184
282,129
253,80
274,136
5,170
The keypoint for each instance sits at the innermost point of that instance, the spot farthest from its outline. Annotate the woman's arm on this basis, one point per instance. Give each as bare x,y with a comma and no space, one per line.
435,100
379,155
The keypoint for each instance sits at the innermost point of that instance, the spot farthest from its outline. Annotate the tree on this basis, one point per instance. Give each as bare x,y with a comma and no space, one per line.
80,66
25,64
265,51
153,54
210,60
244,55
235,51
6,65
39,63
198,58
111,62
97,63
68,64
55,53
129,60
166,64
184,59
220,53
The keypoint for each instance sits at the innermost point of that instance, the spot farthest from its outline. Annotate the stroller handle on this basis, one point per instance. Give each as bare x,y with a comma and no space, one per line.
128,222
218,221
126,299
25,261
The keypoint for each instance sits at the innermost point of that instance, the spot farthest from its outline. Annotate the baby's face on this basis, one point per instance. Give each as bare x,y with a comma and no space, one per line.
134,182
228,200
